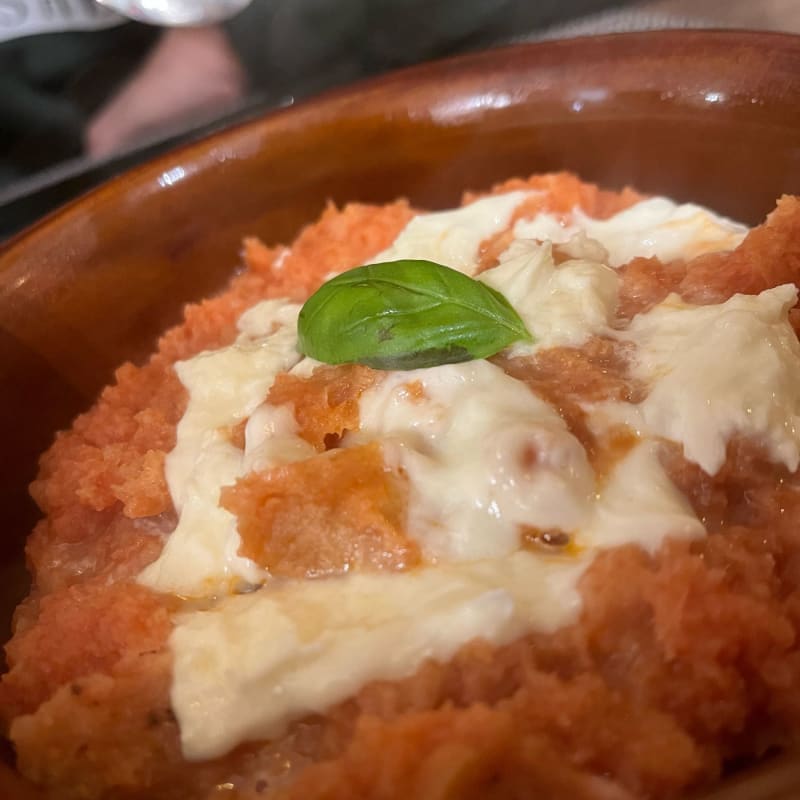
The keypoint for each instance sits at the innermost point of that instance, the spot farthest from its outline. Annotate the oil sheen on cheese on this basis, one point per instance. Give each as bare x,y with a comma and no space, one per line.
656,227
465,447
485,458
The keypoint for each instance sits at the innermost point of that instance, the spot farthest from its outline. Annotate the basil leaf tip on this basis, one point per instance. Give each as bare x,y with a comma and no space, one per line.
406,314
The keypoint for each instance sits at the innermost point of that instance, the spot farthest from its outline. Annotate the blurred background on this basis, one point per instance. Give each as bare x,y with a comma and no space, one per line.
85,92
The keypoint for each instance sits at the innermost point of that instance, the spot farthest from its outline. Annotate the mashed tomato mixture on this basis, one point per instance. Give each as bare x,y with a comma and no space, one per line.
679,657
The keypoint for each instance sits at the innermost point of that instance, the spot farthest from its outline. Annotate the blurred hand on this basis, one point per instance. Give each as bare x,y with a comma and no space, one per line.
190,72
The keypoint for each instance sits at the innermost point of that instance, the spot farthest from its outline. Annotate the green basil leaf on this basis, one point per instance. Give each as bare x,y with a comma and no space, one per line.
406,315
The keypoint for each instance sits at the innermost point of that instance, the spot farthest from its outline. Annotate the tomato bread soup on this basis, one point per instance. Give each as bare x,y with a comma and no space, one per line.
568,569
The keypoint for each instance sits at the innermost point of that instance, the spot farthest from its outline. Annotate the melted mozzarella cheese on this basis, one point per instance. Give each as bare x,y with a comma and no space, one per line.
225,386
639,504
245,669
484,457
483,454
453,238
656,227
561,305
717,371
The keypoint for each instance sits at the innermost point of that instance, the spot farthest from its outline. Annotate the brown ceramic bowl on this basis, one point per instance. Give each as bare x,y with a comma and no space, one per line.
712,117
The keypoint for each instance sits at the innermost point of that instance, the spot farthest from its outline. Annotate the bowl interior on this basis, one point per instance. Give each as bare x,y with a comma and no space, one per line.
711,117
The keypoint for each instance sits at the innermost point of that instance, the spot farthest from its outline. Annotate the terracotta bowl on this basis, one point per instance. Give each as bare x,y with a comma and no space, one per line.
712,117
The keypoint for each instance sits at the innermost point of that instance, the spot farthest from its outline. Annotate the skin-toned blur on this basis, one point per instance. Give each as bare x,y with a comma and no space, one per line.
90,82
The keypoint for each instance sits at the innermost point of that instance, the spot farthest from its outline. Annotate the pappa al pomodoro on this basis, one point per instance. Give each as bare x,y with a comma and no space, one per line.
570,569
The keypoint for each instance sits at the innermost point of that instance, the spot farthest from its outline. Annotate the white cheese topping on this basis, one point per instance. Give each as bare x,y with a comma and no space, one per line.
654,227
639,504
484,457
225,386
717,371
453,238
243,670
483,454
561,305
254,663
